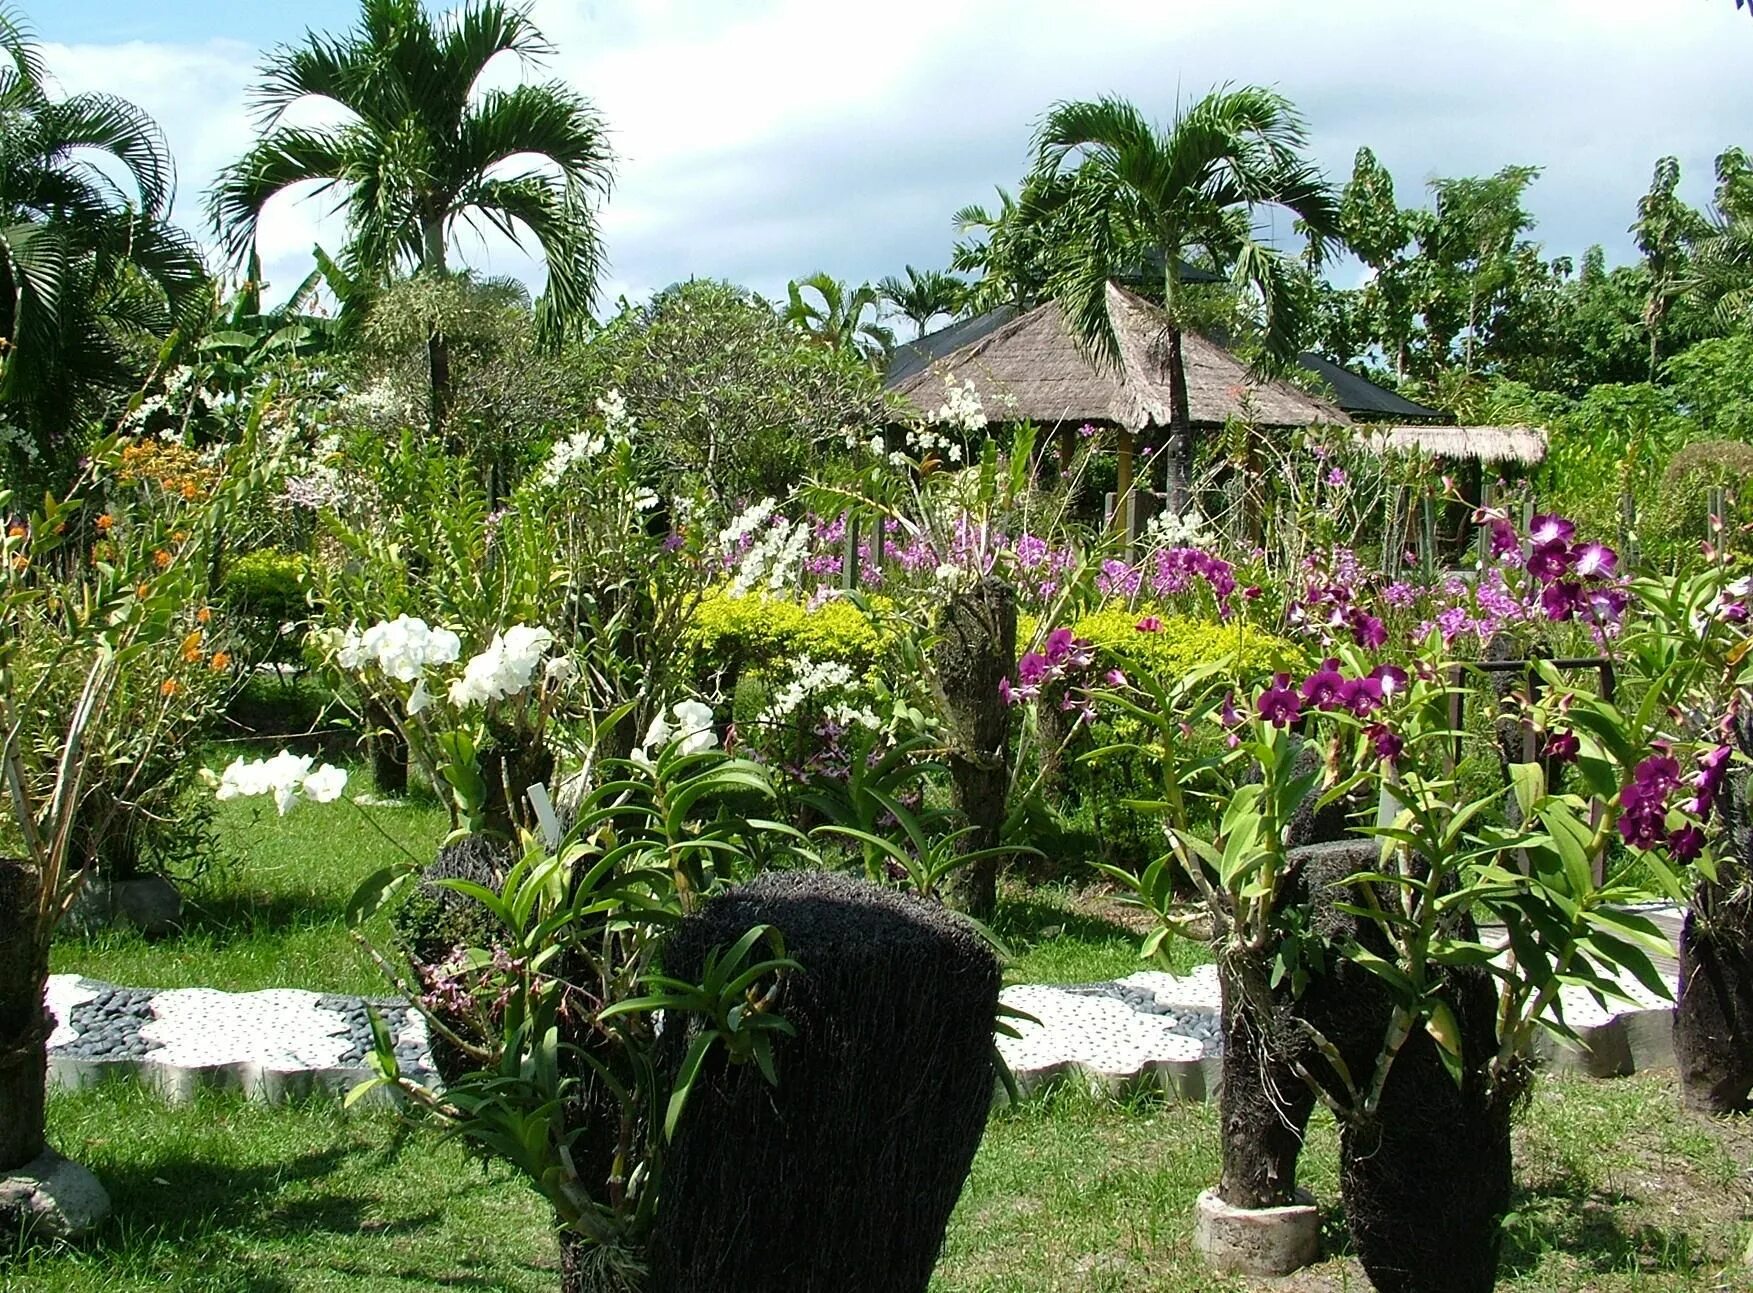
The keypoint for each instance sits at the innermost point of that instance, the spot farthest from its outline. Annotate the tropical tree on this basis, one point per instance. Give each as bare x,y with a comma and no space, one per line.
921,297
420,149
837,318
1009,249
1725,250
92,274
1193,187
1665,229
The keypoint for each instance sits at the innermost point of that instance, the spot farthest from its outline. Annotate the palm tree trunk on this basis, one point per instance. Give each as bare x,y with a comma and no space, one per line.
432,261
1180,468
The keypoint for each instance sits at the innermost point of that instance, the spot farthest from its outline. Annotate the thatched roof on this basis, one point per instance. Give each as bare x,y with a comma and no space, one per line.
1518,444
1029,366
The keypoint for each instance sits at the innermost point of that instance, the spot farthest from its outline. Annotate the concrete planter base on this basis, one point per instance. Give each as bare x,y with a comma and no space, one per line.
1257,1241
51,1198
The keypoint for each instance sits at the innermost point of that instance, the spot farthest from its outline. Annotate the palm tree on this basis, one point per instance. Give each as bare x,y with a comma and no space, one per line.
92,275
421,150
921,297
836,320
1195,186
1723,268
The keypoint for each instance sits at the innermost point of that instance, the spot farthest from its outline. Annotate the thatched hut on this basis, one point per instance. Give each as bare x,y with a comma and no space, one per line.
1026,364
1524,446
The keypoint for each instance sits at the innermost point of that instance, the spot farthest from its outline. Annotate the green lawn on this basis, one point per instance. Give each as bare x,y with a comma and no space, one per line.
1619,1191
270,914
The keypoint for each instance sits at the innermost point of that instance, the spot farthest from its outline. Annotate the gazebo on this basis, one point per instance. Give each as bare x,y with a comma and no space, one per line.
1026,364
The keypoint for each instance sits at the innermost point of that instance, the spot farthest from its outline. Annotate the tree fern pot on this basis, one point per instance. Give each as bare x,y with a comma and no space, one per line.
42,1195
1713,1013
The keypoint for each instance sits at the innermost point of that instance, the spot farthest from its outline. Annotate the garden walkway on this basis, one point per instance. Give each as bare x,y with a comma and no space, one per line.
1150,1029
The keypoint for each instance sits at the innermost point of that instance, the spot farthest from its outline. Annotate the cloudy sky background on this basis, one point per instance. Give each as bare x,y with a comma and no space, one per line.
761,141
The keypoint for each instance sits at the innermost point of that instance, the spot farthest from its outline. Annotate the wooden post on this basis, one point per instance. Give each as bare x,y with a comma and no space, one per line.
1427,537
849,559
1123,486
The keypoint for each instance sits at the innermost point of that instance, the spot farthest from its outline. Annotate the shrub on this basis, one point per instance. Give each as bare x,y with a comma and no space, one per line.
1679,520
266,589
1183,643
731,634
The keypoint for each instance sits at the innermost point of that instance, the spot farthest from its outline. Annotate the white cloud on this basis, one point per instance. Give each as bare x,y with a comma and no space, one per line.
761,142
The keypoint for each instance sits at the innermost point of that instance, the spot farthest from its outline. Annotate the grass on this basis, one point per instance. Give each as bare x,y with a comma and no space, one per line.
1619,1191
271,913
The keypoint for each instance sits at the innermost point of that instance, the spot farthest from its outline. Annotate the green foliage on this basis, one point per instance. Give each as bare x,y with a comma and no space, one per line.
266,590
731,401
1679,521
567,993
735,634
836,320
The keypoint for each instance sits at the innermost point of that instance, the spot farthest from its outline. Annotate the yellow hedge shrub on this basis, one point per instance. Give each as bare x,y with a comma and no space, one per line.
733,632
1182,643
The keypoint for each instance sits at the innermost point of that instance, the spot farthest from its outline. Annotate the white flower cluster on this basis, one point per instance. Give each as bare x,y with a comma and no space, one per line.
16,438
505,668
961,407
313,490
692,732
950,576
810,679
568,453
745,524
1167,530
774,561
404,648
613,407
287,776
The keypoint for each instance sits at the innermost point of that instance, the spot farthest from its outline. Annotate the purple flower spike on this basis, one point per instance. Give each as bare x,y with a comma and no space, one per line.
1686,843
1322,688
1549,561
1278,704
1562,747
1368,631
1362,696
1551,529
1559,601
1387,742
1595,560
1392,679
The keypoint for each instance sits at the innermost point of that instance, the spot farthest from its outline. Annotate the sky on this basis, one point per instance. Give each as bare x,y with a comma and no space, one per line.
762,140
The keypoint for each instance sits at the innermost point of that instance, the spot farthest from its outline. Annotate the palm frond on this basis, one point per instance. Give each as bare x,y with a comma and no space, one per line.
281,158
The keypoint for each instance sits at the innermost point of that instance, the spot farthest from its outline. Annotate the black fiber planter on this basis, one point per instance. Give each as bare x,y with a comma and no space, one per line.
1427,1181
1713,1013
1426,1184
842,1178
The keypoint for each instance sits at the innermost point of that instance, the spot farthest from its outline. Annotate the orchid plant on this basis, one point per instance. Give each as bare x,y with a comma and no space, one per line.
1548,872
